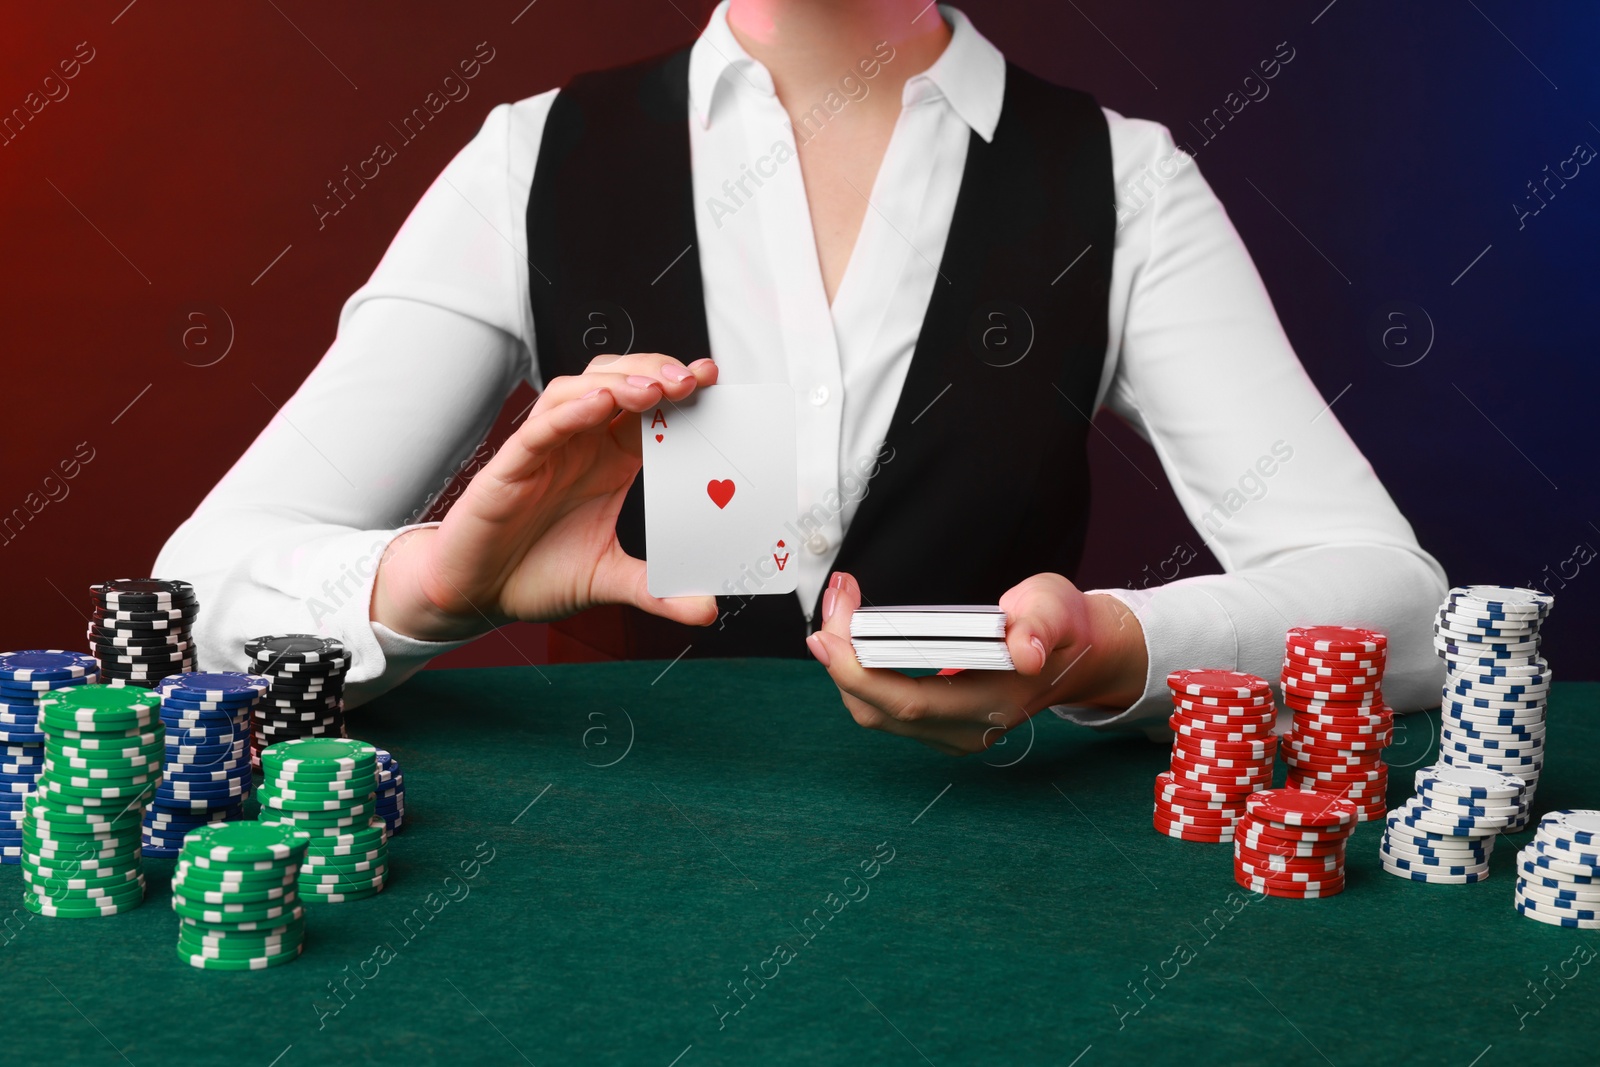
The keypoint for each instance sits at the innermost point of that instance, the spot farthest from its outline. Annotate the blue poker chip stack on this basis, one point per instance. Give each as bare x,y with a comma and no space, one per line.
206,769
1445,834
1496,683
1558,872
391,793
25,678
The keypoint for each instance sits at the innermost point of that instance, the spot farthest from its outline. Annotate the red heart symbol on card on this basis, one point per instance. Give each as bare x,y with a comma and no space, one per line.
720,492
658,438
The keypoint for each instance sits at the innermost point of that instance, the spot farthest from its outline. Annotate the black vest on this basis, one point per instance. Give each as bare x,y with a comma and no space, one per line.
985,478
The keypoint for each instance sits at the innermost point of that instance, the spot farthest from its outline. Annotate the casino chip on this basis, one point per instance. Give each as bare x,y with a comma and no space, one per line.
79,828
1445,834
1223,749
328,788
1496,683
141,629
391,785
206,760
26,679
1558,872
306,699
236,892
1332,678
1291,843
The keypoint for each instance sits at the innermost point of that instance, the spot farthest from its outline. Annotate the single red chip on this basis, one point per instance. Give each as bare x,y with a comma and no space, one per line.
1294,835
1191,833
1287,848
1243,853
1189,789
1308,879
1294,808
1334,720
1203,683
1219,732
1199,822
1309,640
1290,889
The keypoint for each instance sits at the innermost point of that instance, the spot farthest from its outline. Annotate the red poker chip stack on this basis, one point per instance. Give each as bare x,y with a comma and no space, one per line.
1290,843
1333,678
1223,750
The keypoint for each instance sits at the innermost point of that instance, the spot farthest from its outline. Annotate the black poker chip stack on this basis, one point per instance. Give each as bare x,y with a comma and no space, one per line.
141,630
307,695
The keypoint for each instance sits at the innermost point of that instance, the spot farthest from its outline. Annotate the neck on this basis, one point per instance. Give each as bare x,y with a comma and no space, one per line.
806,44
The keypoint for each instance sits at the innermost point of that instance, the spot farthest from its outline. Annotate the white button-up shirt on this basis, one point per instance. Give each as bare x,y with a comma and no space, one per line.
430,346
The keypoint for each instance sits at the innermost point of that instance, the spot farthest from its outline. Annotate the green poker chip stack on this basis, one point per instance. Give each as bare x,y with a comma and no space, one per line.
327,788
81,827
236,894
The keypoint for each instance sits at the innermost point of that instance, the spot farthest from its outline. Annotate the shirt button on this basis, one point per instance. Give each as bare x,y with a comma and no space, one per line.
819,395
817,545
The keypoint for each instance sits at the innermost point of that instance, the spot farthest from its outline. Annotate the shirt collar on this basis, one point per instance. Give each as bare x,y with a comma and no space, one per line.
970,74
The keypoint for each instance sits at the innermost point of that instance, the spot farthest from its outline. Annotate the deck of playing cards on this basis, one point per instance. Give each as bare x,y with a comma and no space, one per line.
934,636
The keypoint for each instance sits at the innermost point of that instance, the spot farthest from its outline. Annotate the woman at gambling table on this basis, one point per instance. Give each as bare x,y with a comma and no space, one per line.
952,262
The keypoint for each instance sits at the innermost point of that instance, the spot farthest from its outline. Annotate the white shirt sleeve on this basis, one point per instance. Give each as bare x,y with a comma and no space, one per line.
1201,368
426,353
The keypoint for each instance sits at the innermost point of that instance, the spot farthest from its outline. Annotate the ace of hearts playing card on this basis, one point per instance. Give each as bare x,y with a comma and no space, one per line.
720,483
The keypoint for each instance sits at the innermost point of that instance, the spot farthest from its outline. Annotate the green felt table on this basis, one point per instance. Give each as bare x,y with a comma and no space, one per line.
596,855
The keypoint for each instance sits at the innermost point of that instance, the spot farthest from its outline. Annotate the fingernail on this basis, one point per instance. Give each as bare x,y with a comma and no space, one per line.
592,392
837,581
828,600
700,362
814,642
1039,647
641,381
674,373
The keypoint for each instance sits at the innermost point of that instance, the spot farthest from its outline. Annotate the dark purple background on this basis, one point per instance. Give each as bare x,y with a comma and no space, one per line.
188,152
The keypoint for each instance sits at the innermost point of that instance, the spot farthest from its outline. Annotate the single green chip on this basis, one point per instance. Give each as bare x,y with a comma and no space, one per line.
103,698
245,926
341,897
308,802
219,935
76,911
73,756
89,897
126,872
122,773
314,752
99,789
323,878
343,870
68,721
53,817
241,842
139,740
101,846
212,963
303,783
212,877
227,951
72,864
231,913
222,896
361,811
352,841
315,860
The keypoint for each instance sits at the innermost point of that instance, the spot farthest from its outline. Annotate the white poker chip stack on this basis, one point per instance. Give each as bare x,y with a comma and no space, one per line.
1444,835
1496,684
1558,872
